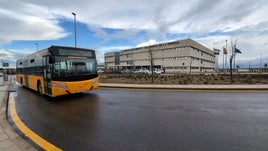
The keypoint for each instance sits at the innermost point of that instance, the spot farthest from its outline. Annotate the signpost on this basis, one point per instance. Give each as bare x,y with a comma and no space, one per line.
5,65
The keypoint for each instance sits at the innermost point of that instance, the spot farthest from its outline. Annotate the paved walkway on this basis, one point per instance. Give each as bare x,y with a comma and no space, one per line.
9,139
263,87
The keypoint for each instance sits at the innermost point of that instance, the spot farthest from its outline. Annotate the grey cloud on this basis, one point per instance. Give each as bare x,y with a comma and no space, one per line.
22,21
163,16
155,19
10,56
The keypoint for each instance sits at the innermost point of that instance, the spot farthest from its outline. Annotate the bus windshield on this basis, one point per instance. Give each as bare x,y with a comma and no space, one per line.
74,66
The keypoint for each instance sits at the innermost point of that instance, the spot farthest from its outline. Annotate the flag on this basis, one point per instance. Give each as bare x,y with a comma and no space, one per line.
224,51
237,51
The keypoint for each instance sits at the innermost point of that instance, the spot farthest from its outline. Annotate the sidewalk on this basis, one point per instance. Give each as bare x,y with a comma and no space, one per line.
263,87
9,139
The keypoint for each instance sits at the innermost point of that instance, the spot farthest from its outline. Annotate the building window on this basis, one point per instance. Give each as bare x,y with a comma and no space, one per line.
129,55
130,62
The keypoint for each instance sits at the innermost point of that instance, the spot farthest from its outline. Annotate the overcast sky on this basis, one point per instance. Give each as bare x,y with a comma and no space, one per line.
119,24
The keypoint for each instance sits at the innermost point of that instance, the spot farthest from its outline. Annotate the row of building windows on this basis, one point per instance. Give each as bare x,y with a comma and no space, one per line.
173,58
109,61
202,52
153,46
130,62
129,55
171,50
184,68
109,57
176,68
163,50
178,58
181,68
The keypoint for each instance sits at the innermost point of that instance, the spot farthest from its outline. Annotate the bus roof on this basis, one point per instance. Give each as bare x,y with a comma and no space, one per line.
47,51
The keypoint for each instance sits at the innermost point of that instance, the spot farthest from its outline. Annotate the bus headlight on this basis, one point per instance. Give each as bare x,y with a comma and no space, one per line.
94,82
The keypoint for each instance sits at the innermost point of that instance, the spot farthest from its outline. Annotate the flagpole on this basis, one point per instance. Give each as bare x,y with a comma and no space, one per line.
223,59
226,54
234,57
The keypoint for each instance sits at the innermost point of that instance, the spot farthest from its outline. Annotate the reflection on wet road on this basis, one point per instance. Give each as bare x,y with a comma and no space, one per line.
111,119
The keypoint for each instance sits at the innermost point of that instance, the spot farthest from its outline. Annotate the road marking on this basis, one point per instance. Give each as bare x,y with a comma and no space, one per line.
27,131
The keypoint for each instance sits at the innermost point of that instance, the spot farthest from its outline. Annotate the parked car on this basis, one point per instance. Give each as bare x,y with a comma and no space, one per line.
158,71
144,71
125,71
141,71
135,71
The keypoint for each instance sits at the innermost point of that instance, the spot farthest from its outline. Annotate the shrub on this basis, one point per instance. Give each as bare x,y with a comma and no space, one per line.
166,78
222,77
249,80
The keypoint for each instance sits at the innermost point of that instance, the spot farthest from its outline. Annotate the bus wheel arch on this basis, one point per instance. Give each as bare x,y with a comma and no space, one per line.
21,81
39,87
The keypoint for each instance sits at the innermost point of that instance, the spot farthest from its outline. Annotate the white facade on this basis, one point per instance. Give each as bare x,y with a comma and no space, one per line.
185,56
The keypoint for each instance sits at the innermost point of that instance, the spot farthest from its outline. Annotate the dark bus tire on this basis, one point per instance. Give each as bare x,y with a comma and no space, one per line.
39,88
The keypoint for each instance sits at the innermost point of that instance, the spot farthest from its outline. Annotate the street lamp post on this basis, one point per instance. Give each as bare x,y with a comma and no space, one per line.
74,28
36,46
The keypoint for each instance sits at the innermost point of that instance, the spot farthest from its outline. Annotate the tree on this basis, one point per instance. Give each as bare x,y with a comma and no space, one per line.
231,70
265,65
232,59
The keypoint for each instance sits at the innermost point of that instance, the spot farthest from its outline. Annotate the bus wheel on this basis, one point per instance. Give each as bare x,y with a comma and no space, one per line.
39,88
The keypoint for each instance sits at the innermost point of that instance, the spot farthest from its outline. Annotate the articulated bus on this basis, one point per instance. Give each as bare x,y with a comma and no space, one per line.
59,70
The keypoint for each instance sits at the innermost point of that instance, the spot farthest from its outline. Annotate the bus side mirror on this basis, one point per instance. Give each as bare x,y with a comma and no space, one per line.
50,60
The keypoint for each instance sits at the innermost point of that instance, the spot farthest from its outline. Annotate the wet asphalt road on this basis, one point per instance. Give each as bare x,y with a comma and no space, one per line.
113,119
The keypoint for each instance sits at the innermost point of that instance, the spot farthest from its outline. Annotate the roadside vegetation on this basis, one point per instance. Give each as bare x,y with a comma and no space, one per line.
184,79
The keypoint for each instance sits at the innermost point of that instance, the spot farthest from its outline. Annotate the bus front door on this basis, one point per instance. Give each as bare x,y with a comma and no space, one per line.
47,76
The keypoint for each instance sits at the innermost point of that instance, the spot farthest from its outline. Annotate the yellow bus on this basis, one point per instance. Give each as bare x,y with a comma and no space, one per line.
59,70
